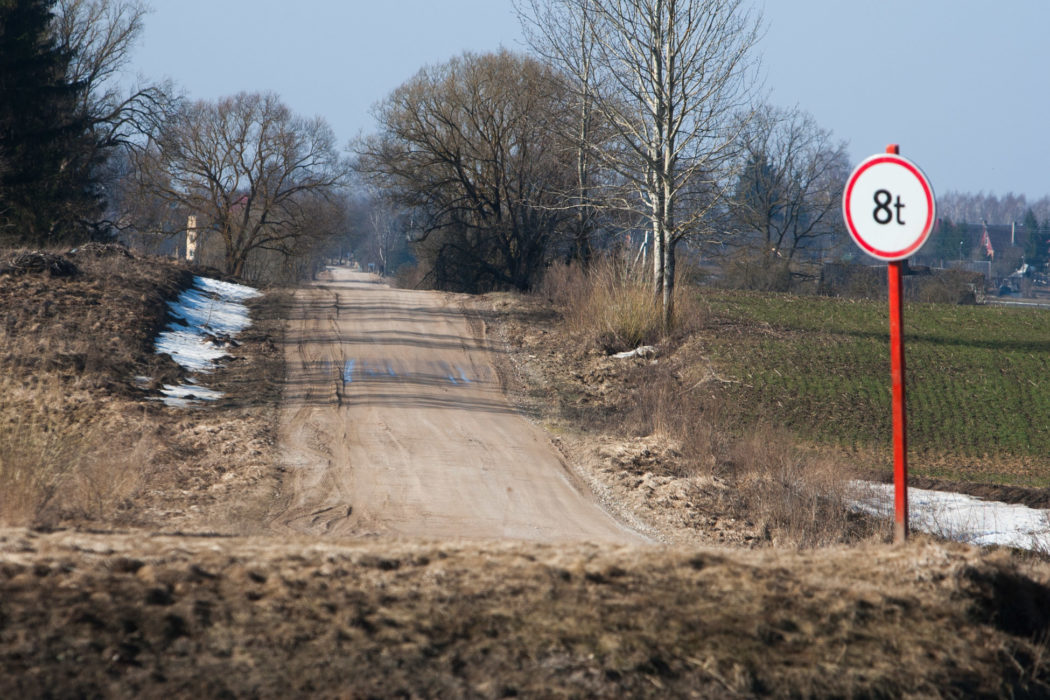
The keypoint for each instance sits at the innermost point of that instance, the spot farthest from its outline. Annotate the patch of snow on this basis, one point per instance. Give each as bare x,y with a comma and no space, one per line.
643,351
214,307
960,517
231,291
192,349
208,316
183,395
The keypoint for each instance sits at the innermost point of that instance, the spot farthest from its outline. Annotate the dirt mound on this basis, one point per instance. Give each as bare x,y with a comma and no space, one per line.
127,615
37,262
102,250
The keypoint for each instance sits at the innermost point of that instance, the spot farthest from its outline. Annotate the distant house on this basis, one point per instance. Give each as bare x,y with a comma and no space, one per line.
1006,238
1002,245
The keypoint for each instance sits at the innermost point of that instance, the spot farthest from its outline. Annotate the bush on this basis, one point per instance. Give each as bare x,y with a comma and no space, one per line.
796,497
920,284
57,461
609,306
410,276
759,274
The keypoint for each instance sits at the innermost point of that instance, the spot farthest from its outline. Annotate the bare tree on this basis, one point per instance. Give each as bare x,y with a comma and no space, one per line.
248,168
666,75
471,148
385,231
99,36
583,131
789,191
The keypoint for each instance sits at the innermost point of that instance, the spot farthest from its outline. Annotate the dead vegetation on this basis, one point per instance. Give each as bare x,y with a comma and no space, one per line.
649,432
89,615
82,442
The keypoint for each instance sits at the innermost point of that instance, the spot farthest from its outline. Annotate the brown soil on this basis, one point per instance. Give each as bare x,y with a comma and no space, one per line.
127,615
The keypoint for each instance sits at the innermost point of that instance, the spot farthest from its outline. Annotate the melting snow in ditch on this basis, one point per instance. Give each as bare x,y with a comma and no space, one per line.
962,518
210,314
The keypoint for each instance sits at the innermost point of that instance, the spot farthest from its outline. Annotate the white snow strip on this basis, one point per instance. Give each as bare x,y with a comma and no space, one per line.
960,517
191,349
212,313
214,306
183,395
229,291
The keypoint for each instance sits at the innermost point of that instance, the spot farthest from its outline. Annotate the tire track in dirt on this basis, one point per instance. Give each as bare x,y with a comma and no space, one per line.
394,422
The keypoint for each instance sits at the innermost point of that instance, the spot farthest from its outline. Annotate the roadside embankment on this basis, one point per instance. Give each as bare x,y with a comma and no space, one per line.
90,615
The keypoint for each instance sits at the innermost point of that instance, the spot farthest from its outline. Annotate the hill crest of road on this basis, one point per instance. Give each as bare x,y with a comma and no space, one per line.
394,422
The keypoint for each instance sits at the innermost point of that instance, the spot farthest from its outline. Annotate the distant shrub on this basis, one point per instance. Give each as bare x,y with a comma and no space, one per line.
609,306
922,284
757,274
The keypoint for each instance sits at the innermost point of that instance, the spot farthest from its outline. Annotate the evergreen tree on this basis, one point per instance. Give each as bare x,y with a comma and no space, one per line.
1037,247
46,186
947,239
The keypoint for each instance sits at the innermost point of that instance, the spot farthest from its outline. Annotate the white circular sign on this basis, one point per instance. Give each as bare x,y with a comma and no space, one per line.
888,207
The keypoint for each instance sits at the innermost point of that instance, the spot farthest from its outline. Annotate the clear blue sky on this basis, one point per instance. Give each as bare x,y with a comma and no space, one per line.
960,84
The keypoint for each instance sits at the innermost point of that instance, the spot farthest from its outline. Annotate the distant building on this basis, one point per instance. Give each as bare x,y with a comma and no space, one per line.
191,238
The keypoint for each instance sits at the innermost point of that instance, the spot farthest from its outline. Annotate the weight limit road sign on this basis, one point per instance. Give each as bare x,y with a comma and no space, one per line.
888,206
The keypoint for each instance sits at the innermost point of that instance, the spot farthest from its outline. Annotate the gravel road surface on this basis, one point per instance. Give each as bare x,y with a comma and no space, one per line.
394,423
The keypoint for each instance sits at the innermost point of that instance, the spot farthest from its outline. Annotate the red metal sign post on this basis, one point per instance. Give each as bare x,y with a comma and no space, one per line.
900,414
888,206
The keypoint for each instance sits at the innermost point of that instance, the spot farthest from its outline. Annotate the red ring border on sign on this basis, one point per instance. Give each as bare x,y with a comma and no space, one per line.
926,187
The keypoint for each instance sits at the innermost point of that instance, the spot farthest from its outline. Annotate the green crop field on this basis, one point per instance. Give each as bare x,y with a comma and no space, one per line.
978,379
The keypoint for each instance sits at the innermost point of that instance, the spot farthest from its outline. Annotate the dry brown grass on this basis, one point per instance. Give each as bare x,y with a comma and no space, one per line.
663,417
794,497
86,616
70,346
67,456
82,443
609,306
38,451
797,498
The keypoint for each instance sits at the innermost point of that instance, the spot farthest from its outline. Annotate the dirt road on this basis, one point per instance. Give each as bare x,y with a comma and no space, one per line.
394,423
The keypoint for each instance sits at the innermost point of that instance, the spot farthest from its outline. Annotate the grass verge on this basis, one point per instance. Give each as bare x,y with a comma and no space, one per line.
652,434
82,441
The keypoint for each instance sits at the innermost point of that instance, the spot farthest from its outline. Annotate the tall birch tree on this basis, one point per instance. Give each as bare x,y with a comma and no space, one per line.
666,76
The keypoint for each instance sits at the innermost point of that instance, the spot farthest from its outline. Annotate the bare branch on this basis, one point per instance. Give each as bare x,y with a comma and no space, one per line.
252,172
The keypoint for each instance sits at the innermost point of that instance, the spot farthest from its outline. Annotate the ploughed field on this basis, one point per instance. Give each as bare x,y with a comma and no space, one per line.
977,380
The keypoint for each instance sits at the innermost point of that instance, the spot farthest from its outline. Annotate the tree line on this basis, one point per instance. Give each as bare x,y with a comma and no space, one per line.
630,120
963,207
628,123
82,158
